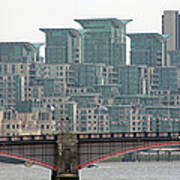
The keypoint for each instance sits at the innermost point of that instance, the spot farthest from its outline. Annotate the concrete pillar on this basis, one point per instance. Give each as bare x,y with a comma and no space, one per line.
67,157
169,155
54,175
137,156
158,158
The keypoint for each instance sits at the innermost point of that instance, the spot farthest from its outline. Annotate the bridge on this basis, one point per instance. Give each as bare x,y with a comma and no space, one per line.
67,153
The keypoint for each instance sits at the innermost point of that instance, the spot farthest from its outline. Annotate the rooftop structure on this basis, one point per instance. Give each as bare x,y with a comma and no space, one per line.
23,52
148,49
104,40
62,46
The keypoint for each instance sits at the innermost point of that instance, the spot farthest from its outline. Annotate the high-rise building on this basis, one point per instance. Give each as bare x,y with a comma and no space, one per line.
162,79
85,85
88,74
104,40
14,83
131,80
174,57
148,49
20,52
171,25
62,46
167,78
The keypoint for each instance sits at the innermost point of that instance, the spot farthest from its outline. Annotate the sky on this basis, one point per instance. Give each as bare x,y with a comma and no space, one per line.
21,19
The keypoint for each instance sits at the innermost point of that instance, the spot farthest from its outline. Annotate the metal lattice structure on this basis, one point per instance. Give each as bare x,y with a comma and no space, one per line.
91,148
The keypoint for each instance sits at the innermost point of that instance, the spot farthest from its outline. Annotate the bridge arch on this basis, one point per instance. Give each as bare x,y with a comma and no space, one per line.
31,160
149,146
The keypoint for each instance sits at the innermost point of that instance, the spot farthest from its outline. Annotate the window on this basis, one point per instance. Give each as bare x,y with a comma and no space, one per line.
5,69
43,116
13,68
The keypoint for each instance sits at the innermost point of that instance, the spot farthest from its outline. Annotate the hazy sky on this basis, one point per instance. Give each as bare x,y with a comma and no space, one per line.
21,19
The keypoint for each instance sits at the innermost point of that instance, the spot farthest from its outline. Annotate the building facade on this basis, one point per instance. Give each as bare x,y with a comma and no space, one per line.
84,84
104,40
63,46
171,25
148,49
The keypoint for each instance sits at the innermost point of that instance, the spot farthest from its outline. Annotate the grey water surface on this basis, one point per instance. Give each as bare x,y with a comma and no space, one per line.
105,171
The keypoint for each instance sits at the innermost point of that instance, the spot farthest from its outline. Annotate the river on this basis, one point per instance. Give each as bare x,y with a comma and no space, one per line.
105,171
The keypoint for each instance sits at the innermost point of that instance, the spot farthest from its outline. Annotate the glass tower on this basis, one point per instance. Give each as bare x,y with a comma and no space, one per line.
148,49
62,46
20,52
104,40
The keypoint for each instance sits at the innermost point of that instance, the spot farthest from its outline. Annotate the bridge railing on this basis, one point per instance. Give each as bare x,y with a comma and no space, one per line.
126,135
95,136
28,138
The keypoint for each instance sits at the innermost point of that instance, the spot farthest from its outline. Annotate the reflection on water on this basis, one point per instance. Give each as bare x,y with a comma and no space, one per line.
105,171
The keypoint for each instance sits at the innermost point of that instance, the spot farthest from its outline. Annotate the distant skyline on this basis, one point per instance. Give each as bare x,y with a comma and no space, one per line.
21,19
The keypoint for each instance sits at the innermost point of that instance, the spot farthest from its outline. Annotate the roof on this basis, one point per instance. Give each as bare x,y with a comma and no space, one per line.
106,85
163,37
27,44
116,21
70,30
137,96
38,45
86,95
119,106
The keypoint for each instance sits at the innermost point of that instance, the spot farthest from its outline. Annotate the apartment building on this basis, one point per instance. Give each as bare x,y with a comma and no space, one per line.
104,40
84,84
63,46
148,49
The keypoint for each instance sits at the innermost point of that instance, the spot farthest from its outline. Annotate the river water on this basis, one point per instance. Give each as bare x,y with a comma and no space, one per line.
105,171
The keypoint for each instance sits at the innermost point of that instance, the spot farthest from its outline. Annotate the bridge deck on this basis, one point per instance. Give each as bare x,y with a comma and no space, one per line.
44,149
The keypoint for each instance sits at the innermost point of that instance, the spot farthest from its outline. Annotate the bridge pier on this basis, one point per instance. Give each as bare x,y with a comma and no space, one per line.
54,175
67,157
169,155
158,157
